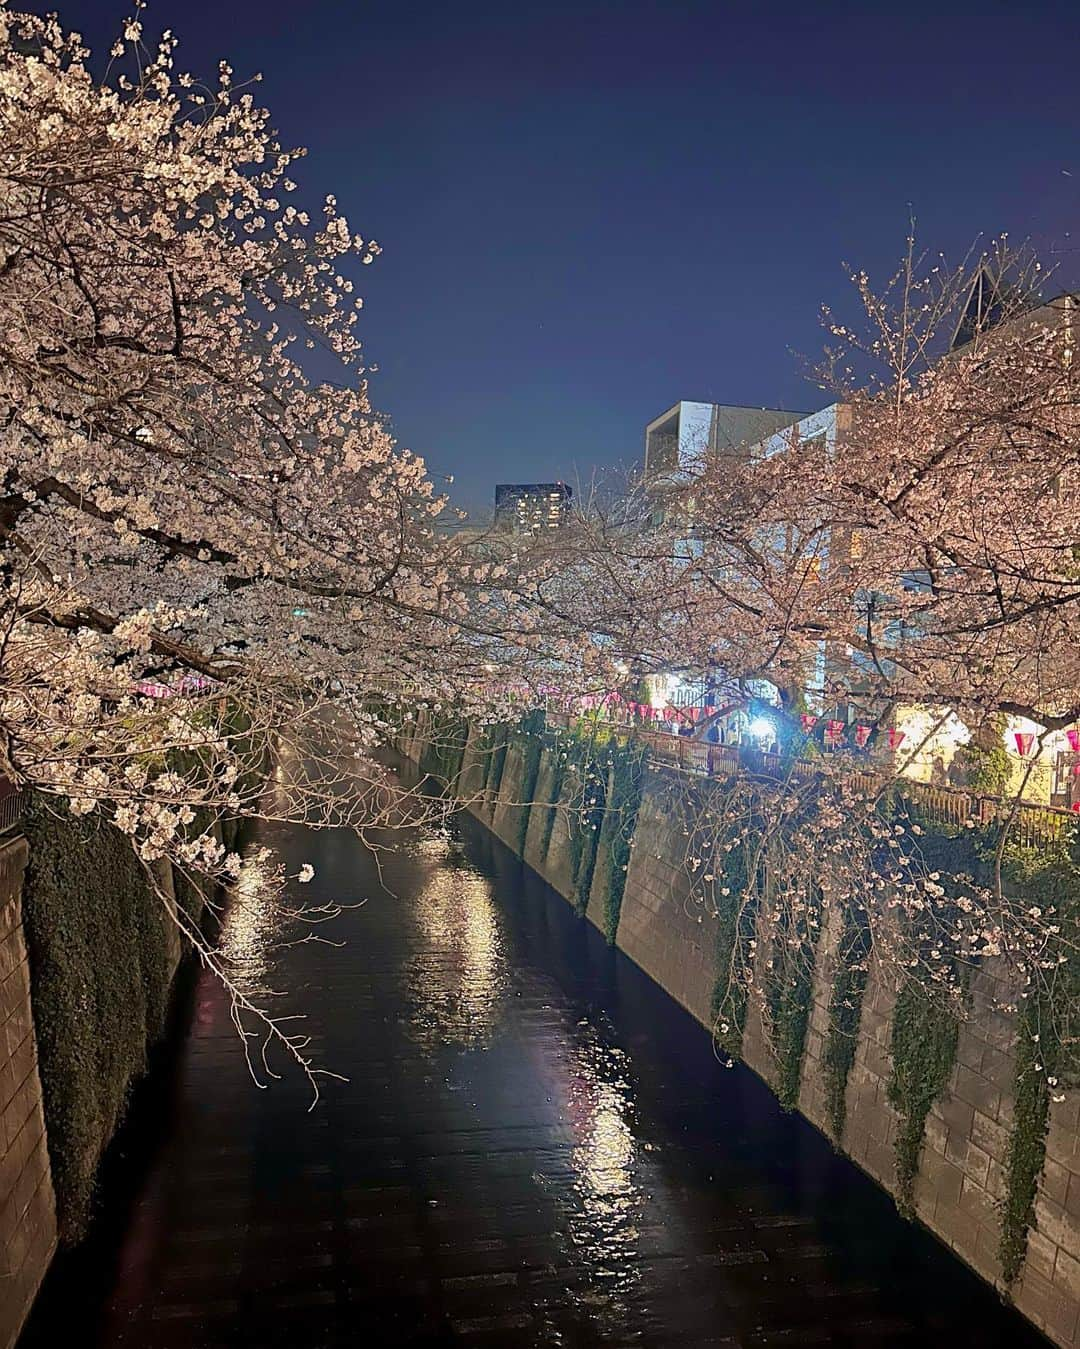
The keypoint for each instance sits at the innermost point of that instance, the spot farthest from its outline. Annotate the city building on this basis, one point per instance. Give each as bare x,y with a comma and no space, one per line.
684,432
532,507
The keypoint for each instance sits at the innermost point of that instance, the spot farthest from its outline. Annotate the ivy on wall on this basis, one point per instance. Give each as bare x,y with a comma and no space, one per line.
627,779
923,1048
532,750
850,972
1027,1144
558,781
99,975
1047,1054
1048,1043
788,988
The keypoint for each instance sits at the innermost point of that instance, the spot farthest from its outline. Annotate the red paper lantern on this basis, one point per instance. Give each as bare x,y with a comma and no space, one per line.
862,735
1075,807
834,729
808,722
1073,738
896,738
1024,741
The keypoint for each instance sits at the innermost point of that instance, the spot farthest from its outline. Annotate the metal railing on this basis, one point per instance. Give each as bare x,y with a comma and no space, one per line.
11,807
1032,825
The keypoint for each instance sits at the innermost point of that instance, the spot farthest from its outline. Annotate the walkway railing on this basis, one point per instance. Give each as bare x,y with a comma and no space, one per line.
1033,825
11,807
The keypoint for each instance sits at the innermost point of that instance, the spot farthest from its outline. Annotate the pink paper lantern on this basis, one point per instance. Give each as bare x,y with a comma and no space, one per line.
1024,741
862,735
896,738
808,722
1073,738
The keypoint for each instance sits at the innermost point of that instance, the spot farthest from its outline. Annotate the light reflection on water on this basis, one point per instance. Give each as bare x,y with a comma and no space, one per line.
606,1199
458,977
249,926
461,988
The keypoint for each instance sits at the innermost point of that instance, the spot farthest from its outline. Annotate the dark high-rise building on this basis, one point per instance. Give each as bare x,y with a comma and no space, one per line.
532,507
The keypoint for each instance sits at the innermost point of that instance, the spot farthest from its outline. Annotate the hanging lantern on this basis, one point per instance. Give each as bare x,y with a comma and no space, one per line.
1073,738
710,711
808,722
834,730
1024,741
1075,807
896,738
862,735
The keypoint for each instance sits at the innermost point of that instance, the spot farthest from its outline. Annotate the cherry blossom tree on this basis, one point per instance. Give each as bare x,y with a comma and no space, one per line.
186,507
922,553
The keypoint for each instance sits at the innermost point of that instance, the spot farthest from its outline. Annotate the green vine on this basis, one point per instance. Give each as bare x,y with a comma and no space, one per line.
788,988
845,1013
585,825
532,750
923,1046
627,782
1027,1144
1048,1040
558,781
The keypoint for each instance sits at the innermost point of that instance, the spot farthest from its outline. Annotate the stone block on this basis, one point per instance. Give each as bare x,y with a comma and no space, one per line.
974,1089
1067,1275
1054,1181
1048,1307
976,1203
990,1136
1041,1255
1057,1224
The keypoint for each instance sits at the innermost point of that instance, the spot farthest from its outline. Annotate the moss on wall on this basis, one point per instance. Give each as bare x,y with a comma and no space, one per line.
100,974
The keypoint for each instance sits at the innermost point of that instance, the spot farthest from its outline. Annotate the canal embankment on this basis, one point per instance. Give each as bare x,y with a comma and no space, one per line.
89,954
958,1133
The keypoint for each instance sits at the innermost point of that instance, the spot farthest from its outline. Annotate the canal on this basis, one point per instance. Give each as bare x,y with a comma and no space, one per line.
535,1146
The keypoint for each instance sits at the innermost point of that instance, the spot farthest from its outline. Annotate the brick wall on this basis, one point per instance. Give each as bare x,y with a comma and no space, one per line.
27,1211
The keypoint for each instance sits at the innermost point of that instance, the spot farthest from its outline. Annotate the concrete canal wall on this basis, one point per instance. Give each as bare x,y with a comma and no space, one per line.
960,1183
27,1206
88,957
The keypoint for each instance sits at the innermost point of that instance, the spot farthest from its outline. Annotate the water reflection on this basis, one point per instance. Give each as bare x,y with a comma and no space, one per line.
458,977
250,925
607,1199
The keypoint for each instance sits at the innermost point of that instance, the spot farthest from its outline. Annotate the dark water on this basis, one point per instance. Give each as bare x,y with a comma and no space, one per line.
536,1147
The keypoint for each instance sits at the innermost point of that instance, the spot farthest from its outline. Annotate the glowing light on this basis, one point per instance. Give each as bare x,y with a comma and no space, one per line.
761,727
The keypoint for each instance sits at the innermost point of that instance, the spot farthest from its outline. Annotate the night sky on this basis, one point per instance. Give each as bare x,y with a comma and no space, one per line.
591,211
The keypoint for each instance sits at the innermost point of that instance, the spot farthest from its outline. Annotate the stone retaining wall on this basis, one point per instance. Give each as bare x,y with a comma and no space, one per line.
961,1177
27,1209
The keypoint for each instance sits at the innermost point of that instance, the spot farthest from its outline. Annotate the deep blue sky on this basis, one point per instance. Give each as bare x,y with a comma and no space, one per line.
590,211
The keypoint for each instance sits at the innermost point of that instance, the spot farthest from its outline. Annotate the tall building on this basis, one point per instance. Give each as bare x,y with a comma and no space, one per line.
532,507
679,436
